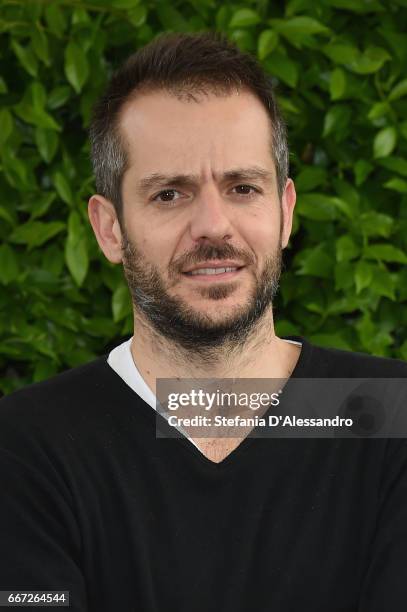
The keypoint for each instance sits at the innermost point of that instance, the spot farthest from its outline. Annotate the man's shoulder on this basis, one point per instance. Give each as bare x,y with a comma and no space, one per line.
344,363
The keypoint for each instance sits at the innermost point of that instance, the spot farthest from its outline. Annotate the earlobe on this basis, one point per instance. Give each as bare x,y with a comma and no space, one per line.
287,210
103,218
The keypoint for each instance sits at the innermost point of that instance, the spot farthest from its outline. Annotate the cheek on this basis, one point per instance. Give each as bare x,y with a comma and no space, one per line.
157,246
261,229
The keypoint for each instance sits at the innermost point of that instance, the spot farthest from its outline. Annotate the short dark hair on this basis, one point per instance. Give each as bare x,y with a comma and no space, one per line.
182,64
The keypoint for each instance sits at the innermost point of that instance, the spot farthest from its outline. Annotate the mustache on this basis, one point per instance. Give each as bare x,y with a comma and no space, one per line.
209,252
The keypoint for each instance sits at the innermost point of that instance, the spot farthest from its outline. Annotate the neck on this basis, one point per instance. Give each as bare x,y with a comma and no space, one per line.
260,355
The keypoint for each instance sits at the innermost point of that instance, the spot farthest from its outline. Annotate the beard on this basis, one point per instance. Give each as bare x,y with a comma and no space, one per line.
171,317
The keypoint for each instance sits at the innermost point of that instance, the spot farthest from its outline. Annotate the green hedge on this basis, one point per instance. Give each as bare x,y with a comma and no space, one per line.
340,71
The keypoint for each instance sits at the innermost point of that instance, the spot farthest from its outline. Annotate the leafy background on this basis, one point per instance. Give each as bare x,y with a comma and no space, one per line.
340,71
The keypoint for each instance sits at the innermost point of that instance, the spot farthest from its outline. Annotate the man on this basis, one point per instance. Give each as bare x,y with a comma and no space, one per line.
194,199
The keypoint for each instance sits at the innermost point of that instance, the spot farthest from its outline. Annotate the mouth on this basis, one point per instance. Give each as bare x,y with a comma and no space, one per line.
214,274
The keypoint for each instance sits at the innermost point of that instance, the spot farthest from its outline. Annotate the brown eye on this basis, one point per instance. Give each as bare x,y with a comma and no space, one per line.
165,193
246,187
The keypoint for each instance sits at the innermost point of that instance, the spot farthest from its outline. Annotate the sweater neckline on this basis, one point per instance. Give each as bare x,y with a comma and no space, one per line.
300,370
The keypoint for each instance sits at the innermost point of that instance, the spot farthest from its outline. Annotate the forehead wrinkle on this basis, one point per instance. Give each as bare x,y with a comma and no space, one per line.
252,172
191,180
156,180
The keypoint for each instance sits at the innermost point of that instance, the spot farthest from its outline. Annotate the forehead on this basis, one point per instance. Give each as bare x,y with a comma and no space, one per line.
159,129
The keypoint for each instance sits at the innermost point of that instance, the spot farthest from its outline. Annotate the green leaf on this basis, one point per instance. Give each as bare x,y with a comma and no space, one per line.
58,96
372,223
362,169
9,268
370,61
244,17
398,91
75,227
344,275
121,303
6,125
26,58
38,95
383,284
47,143
309,178
357,6
336,119
63,188
372,337
39,43
363,275
3,86
15,171
385,252
347,208
287,106
396,164
330,341
76,66
379,109
402,284
316,206
384,142
299,25
341,53
53,261
171,18
343,305
31,108
316,262
337,84
77,260
348,194
223,17
137,16
123,4
41,204
80,16
346,249
396,184
56,19
33,10
76,253
44,370
403,350
395,40
284,68
6,215
42,119
243,38
267,42
36,233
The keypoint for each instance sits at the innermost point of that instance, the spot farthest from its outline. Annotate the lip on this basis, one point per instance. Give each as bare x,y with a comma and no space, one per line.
208,278
228,263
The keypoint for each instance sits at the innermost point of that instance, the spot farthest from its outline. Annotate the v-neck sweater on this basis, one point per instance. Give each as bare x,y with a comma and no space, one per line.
95,504
121,360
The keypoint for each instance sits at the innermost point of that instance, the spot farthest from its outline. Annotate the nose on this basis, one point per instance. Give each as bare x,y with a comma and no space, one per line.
211,217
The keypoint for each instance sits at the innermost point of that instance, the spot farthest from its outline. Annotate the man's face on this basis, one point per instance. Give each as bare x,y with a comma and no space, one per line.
212,220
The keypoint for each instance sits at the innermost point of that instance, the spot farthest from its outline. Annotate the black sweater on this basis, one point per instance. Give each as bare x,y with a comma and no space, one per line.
92,502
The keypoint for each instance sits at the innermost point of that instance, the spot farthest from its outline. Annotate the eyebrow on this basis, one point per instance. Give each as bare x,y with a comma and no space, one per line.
156,180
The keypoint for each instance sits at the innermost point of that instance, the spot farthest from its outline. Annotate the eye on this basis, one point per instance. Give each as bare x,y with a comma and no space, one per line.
166,192
250,195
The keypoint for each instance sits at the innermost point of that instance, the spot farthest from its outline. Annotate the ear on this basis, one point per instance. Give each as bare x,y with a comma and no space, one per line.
105,224
287,209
